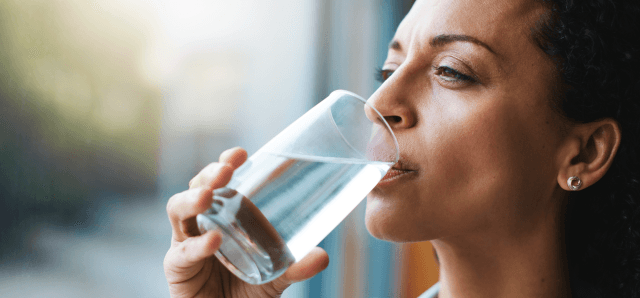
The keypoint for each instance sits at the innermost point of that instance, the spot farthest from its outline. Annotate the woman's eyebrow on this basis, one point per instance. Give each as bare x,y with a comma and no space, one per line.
444,39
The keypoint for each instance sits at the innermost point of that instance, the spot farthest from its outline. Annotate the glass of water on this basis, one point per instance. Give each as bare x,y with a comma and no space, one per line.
297,188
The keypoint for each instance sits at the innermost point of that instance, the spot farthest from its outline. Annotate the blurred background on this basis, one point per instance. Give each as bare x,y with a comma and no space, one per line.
108,108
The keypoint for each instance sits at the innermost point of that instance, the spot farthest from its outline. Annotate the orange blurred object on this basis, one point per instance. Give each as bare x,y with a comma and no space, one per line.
418,271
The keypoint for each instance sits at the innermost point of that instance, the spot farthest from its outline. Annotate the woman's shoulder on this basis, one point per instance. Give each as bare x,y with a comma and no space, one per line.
580,289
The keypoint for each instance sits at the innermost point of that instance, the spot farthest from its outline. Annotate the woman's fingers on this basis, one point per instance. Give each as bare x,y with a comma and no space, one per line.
211,176
215,175
184,261
316,261
195,249
182,209
234,157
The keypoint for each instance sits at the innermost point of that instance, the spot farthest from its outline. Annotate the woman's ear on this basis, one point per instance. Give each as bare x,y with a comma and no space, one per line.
588,152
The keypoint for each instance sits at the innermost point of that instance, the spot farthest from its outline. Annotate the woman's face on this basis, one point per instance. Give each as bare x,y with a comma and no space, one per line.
467,94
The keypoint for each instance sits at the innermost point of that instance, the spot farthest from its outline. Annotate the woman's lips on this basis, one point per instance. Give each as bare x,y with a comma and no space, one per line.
395,173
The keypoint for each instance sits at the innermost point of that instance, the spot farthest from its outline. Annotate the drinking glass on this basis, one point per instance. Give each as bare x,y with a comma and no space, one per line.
297,188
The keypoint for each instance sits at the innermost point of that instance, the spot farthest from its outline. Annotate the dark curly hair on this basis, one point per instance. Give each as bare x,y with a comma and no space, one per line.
595,45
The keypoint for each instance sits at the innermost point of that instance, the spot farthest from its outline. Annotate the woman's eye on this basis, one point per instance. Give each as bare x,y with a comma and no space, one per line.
383,74
451,75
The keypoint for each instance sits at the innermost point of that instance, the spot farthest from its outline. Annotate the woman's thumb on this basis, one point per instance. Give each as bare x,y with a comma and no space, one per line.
316,261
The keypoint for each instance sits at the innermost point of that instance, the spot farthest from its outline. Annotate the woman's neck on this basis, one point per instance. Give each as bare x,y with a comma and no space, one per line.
505,263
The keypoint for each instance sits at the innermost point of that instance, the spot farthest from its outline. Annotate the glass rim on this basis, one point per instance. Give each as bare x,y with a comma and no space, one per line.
393,135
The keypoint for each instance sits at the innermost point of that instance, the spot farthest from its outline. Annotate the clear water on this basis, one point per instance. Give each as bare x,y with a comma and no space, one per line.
277,208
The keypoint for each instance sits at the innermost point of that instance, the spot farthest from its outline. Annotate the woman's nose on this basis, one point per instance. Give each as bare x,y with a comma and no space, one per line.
393,106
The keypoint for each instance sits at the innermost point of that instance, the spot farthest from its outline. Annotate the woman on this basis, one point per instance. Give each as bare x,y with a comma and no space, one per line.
518,128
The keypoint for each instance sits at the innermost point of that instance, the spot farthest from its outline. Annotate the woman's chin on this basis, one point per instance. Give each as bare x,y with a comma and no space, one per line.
378,232
381,223
391,222
384,232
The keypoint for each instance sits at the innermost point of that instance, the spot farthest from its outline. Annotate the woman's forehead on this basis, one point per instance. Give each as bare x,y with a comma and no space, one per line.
497,23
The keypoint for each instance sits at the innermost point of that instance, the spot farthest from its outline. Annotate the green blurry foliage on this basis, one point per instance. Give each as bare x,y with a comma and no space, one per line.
78,115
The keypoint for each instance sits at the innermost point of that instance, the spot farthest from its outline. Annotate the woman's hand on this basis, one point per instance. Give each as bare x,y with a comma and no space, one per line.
190,266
